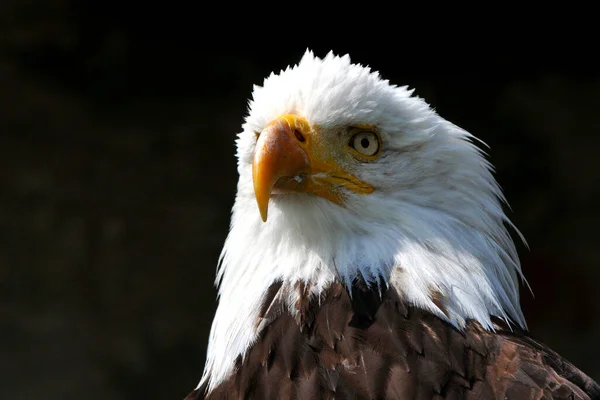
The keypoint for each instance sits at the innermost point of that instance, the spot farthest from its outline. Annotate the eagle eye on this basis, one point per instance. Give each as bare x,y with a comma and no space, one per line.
366,144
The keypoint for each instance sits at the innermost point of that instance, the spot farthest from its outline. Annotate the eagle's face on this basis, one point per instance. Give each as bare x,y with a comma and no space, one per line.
293,156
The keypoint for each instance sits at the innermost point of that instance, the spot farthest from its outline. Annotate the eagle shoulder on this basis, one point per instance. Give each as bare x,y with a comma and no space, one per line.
365,343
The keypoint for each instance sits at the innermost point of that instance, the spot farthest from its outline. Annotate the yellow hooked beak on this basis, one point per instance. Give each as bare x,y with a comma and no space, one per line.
290,158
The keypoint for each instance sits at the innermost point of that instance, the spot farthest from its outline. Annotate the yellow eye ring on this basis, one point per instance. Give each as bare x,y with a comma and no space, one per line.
366,144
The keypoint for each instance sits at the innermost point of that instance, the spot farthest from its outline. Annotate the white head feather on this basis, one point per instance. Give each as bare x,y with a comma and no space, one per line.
433,224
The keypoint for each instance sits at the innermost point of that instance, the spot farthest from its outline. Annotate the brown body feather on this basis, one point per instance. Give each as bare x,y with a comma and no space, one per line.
374,346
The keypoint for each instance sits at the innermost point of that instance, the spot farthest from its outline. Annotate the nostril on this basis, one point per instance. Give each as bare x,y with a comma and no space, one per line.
299,135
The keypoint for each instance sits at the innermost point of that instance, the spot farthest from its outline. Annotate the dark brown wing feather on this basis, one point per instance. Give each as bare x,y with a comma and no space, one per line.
372,346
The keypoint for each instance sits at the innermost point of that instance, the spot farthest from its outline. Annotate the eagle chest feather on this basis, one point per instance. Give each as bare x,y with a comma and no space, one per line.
369,344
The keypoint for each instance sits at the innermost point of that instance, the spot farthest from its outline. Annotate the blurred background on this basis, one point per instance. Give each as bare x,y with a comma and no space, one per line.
117,175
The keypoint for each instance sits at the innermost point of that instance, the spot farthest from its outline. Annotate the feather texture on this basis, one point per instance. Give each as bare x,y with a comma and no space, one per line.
377,347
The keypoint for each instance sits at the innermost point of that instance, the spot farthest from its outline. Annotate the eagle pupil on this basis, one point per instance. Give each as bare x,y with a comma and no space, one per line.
364,142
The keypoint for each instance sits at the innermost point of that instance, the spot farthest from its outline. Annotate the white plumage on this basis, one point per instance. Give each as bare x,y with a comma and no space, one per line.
434,223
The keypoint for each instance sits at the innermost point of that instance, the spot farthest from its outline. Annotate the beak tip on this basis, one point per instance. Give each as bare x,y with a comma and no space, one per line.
263,214
262,201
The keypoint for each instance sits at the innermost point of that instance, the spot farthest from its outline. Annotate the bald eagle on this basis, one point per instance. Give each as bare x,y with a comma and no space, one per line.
369,255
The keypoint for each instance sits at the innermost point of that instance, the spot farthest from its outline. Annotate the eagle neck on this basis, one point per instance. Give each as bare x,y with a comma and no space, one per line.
458,275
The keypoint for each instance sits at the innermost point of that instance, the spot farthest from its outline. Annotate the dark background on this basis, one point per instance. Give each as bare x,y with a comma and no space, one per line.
117,176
